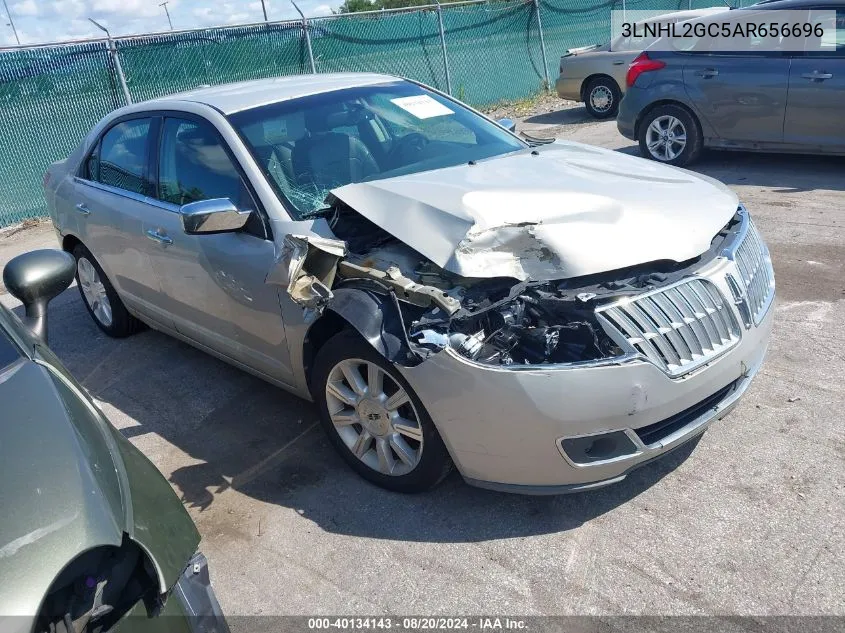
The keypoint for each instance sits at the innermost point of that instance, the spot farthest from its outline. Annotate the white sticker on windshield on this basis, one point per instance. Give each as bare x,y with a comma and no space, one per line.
422,106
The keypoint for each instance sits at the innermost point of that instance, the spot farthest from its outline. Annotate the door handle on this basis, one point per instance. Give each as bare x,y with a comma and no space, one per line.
817,75
155,236
618,62
83,209
707,72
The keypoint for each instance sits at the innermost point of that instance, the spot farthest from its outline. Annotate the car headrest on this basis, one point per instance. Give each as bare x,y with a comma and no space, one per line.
325,119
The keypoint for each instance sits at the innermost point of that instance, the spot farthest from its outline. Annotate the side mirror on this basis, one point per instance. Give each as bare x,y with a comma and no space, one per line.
212,216
508,124
35,278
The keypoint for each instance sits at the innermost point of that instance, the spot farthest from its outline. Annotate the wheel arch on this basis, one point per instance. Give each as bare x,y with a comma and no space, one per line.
590,78
70,242
664,102
127,558
374,316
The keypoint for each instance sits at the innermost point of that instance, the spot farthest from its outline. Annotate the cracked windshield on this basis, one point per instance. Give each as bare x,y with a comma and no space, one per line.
313,145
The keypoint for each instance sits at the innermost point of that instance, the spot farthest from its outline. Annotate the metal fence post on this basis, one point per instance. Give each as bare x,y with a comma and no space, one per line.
307,37
443,48
116,58
542,44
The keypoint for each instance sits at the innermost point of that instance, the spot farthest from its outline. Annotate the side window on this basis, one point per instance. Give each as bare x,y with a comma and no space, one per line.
193,165
832,43
123,157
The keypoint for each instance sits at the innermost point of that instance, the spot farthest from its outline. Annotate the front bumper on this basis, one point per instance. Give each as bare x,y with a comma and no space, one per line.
504,427
194,593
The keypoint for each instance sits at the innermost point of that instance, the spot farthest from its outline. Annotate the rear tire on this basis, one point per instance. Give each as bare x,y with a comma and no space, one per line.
602,97
374,419
100,298
670,134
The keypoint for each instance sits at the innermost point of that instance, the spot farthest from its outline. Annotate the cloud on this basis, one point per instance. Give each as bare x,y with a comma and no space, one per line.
25,8
134,8
40,21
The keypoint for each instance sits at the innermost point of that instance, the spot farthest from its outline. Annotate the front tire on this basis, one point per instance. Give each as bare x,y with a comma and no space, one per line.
670,134
602,97
100,297
374,419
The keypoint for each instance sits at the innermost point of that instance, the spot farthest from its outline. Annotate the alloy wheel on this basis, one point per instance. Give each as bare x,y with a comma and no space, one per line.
374,417
666,137
94,291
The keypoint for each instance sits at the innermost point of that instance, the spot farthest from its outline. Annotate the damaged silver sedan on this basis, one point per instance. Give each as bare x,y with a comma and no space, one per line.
544,317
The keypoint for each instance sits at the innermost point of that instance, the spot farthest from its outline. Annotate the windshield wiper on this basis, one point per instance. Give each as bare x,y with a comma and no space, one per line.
535,141
316,213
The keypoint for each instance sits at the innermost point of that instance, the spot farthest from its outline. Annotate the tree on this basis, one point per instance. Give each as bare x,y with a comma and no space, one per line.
354,6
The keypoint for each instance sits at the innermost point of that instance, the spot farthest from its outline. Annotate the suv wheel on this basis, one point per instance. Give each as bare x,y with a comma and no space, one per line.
100,297
670,134
374,419
602,98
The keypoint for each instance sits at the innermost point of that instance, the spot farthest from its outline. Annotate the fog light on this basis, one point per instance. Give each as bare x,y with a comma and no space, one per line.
598,448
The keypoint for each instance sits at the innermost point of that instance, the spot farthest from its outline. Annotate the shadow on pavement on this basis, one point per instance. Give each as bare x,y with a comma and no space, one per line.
566,116
785,173
242,432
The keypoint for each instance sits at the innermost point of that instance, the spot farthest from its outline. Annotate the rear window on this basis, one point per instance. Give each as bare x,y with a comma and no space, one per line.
122,157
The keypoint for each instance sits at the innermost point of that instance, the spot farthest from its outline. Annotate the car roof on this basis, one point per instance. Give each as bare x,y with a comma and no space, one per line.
234,97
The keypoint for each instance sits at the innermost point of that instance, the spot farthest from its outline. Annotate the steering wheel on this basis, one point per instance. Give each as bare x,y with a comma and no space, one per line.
413,142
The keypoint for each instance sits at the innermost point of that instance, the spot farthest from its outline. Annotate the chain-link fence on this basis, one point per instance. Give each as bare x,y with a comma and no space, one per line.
480,51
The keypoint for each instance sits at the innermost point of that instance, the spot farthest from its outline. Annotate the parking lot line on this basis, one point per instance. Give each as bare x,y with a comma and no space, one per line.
252,473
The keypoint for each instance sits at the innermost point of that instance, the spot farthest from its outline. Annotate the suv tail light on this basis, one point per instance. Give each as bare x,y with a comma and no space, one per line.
642,64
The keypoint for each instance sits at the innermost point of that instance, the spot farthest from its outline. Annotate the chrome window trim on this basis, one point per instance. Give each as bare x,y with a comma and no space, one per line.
131,195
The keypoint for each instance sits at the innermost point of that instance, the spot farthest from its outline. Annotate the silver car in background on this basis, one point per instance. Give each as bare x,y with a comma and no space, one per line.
544,317
596,74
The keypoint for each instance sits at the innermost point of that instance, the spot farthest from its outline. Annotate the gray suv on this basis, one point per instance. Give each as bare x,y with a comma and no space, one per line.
680,101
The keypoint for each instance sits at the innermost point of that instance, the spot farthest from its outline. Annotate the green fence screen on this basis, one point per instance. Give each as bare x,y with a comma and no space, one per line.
50,96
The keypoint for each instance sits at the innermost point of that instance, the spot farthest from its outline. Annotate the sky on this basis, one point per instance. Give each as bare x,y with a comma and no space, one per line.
39,21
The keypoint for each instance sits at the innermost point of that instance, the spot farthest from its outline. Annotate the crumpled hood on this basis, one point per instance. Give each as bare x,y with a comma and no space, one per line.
565,210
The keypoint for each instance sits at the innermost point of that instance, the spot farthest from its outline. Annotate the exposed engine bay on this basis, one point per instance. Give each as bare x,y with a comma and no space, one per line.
496,321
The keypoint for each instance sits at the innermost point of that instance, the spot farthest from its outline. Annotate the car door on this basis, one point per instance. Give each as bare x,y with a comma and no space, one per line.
111,196
817,86
740,93
741,96
213,285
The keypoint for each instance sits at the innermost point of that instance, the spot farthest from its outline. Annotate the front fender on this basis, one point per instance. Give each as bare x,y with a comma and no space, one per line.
160,524
377,319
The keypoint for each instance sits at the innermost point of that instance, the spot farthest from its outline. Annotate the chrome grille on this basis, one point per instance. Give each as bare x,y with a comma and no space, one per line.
679,327
756,275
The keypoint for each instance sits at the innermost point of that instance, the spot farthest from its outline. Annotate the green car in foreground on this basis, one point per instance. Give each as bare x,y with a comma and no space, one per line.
92,537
